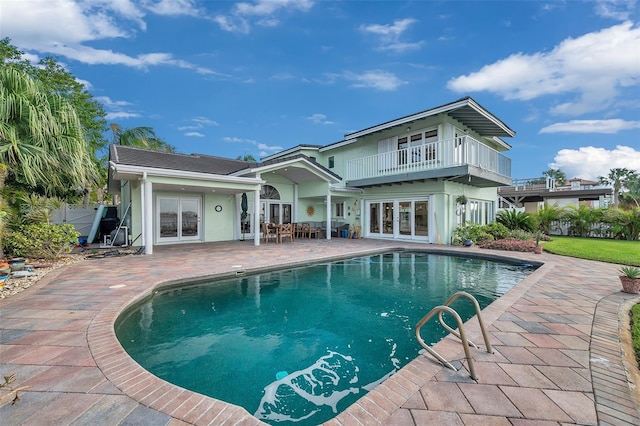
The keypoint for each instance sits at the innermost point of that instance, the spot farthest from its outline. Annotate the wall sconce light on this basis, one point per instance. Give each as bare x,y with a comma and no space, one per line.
408,129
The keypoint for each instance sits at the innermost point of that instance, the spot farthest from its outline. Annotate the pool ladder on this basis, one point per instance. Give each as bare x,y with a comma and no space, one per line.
461,335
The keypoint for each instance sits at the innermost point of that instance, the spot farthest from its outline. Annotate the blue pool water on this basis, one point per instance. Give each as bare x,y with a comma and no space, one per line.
298,346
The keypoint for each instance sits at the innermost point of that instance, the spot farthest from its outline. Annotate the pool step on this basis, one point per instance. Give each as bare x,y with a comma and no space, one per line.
461,335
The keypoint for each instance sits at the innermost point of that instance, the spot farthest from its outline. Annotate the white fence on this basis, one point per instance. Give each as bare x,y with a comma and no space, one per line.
80,217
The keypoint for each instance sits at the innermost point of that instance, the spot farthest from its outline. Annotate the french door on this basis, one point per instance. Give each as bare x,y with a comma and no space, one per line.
400,219
178,219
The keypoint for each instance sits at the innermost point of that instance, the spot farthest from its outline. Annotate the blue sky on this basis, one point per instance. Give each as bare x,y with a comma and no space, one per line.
233,78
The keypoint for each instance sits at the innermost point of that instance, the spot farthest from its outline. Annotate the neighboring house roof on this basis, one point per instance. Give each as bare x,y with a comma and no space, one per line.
162,160
583,181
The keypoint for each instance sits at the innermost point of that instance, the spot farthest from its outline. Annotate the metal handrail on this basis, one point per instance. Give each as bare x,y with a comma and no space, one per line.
459,334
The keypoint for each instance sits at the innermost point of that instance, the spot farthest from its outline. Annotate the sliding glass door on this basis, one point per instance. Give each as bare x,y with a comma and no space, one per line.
178,219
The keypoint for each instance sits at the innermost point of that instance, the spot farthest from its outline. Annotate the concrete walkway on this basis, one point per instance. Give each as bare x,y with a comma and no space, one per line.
557,357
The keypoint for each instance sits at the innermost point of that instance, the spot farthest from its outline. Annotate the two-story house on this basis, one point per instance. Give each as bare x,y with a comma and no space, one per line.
399,179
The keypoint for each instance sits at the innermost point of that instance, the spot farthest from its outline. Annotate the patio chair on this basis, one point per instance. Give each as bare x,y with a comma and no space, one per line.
303,230
286,230
268,233
317,232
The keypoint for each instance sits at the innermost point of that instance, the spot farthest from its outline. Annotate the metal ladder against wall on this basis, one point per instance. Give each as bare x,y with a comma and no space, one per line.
461,334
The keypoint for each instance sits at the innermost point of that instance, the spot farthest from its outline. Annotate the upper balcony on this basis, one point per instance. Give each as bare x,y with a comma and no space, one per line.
463,159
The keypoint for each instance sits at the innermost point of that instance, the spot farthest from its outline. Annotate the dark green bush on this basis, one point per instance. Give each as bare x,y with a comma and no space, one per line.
497,230
41,241
514,219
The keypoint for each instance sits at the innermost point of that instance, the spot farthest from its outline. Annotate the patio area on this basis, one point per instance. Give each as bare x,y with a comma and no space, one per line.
558,356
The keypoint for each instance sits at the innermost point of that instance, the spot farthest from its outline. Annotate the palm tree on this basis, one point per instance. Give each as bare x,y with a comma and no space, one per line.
558,175
247,157
41,139
140,137
618,178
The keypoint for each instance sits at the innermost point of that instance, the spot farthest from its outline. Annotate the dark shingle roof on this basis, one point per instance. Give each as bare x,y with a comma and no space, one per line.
162,160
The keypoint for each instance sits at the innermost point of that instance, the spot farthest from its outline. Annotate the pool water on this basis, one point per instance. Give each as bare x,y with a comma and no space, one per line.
298,346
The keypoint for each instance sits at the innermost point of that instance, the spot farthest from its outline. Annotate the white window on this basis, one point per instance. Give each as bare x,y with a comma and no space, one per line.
338,210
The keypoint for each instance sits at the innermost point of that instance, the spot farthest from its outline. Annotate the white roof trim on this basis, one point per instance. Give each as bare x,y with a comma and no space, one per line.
338,144
289,151
313,168
429,113
138,170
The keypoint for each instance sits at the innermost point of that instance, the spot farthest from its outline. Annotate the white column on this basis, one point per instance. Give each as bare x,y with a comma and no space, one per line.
256,217
328,216
143,235
294,213
147,219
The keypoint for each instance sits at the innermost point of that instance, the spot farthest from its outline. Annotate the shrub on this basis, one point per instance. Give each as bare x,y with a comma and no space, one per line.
41,241
523,235
470,231
514,219
546,216
497,230
509,244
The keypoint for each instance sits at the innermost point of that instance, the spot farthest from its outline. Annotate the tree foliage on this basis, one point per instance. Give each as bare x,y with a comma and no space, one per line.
55,79
41,136
558,175
140,137
619,178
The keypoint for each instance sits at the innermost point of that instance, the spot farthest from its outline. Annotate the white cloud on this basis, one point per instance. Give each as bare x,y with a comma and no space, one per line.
173,7
590,162
593,68
592,126
120,115
29,24
264,147
376,79
319,119
195,134
116,110
265,13
200,123
620,10
389,35
109,103
204,121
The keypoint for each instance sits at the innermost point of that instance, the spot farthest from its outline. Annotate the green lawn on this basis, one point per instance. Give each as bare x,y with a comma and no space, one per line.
611,251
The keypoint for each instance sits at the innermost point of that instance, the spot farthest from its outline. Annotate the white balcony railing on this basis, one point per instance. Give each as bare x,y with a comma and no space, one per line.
436,155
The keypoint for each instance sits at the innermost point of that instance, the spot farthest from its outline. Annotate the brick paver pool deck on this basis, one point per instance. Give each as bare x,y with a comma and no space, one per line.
558,353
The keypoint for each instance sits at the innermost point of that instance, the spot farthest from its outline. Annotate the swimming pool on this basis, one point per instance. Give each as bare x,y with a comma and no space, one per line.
297,346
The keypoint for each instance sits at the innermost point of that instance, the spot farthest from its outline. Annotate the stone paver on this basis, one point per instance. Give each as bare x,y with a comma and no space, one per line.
557,355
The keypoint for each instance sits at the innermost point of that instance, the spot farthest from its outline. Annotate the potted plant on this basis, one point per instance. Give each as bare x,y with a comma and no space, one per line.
462,199
630,279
